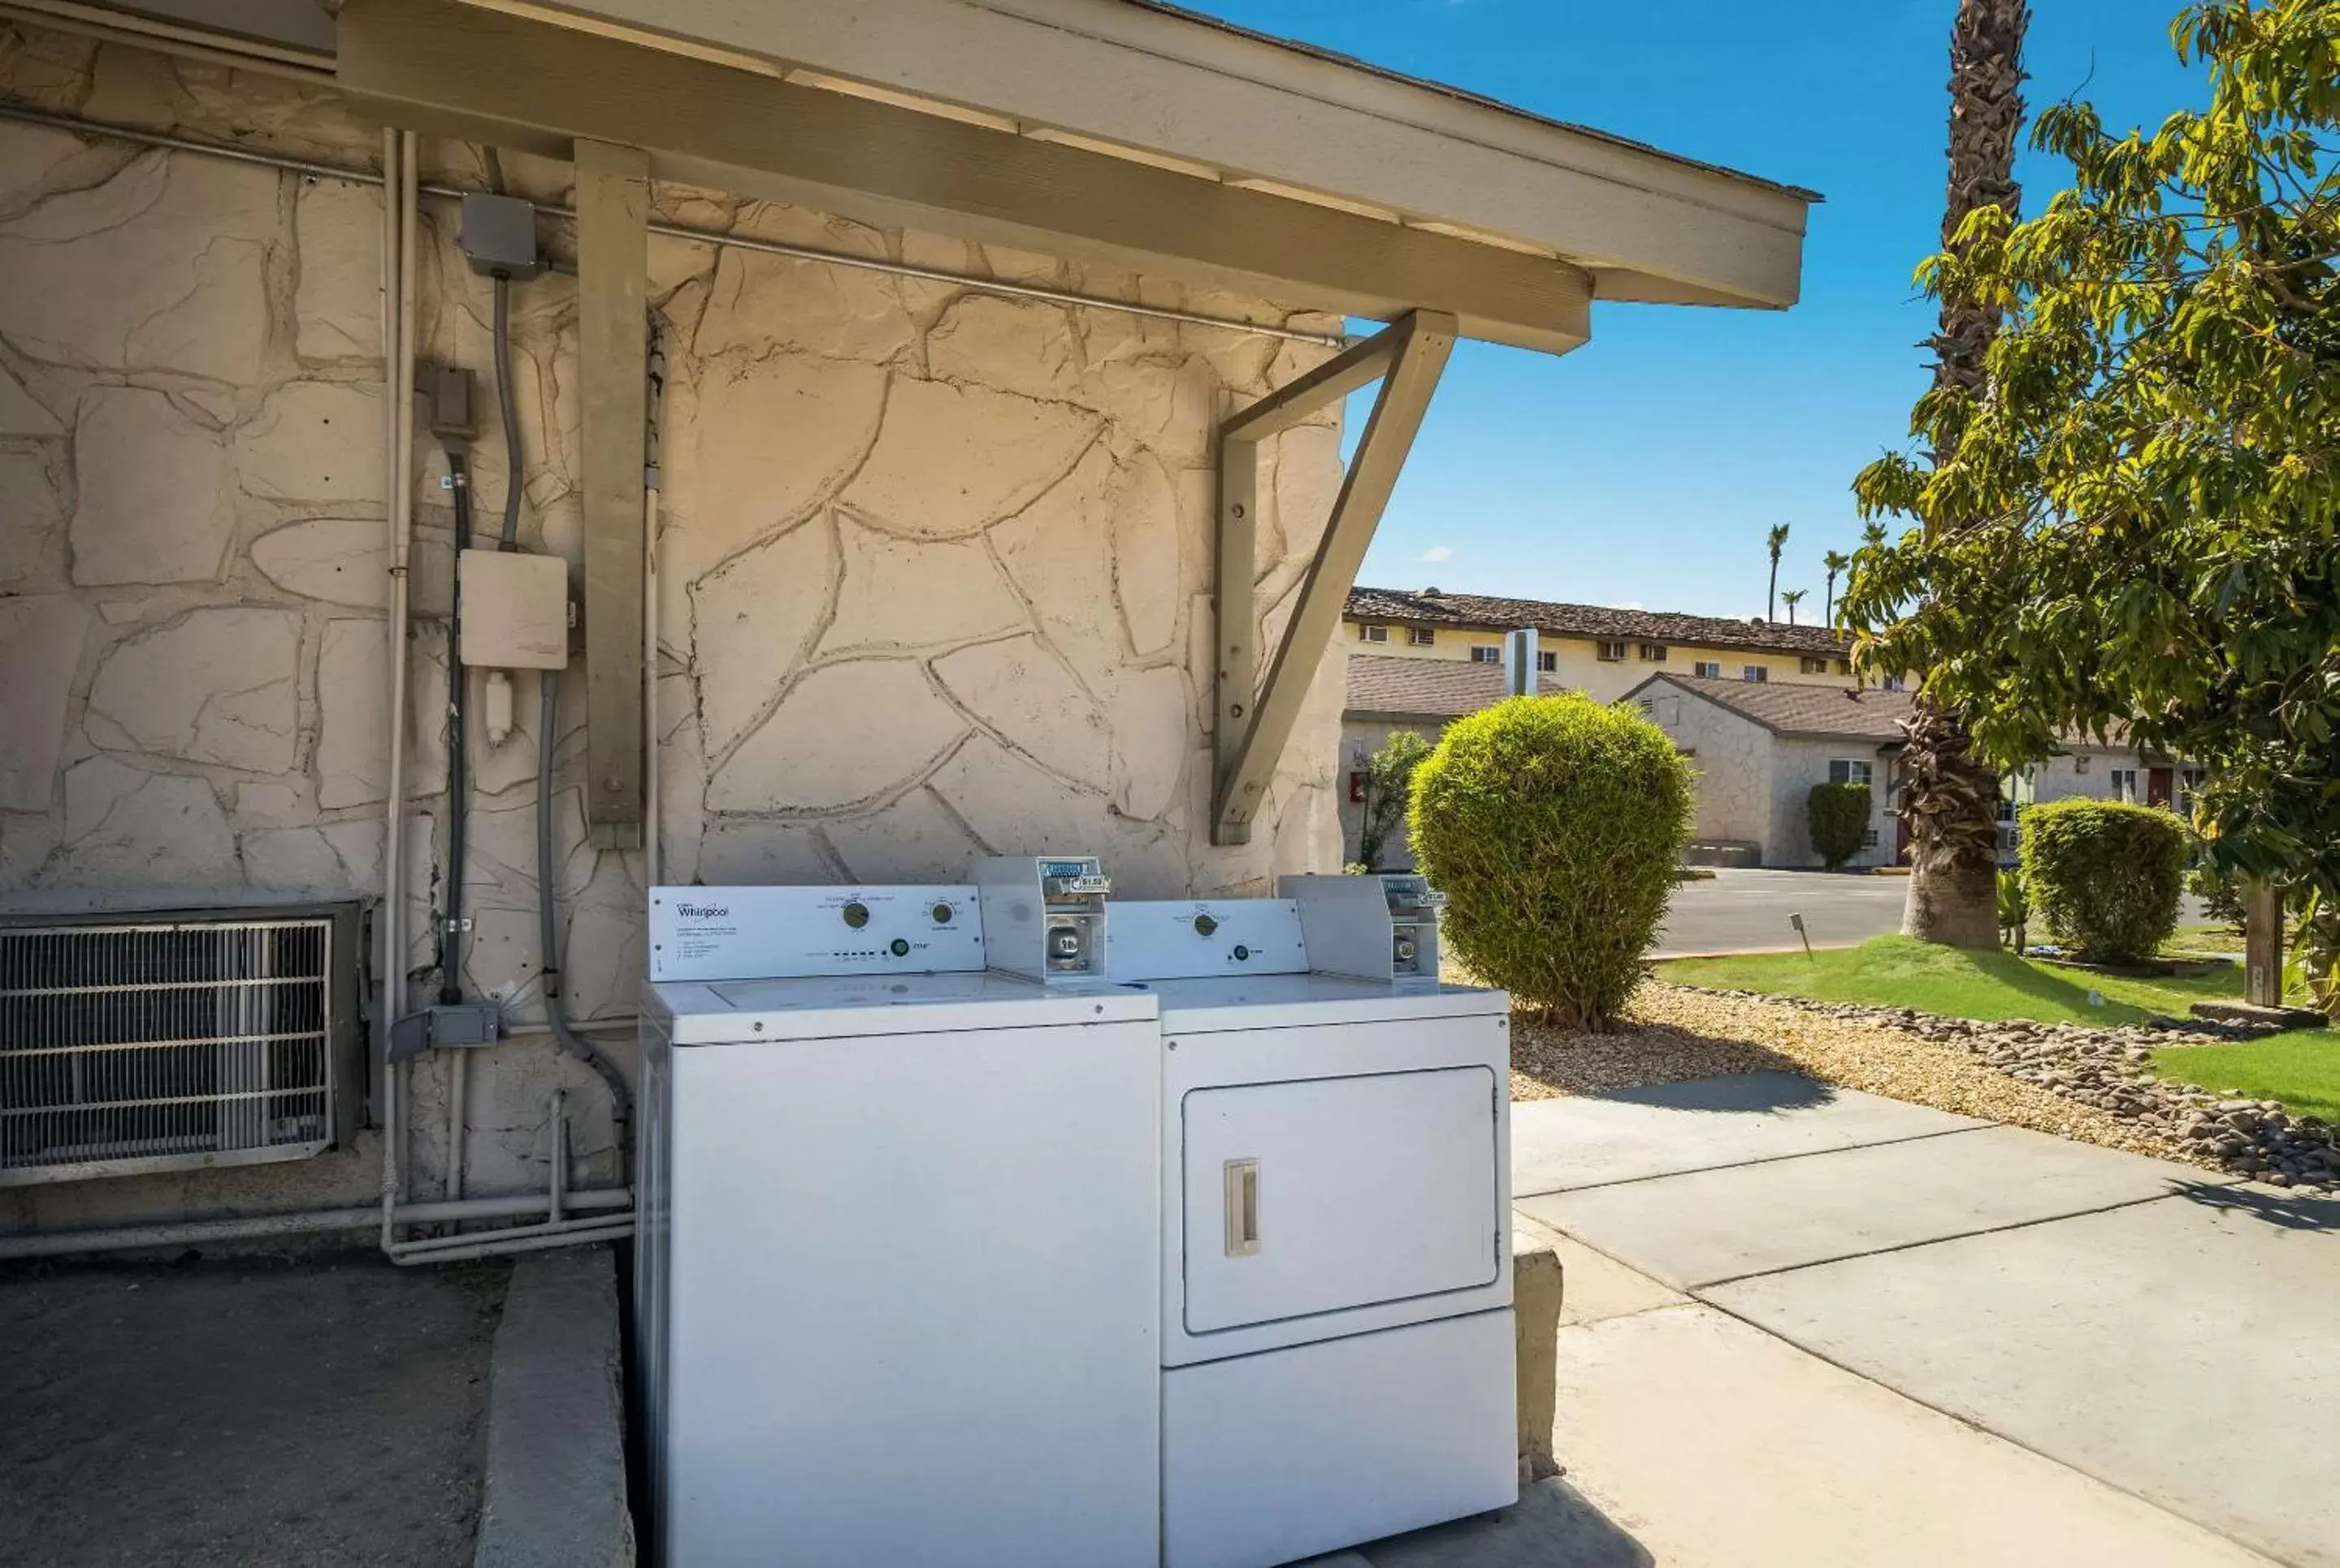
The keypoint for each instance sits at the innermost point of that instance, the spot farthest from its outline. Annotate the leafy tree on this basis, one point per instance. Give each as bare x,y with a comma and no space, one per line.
1949,796
2129,519
1389,778
1775,541
1791,598
1838,562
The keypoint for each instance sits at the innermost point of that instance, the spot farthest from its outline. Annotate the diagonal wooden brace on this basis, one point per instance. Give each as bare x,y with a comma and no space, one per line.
1251,726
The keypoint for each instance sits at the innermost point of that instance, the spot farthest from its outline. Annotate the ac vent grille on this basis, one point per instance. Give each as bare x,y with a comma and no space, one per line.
151,1046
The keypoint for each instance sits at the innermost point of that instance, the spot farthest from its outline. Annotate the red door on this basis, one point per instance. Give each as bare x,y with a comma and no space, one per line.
2157,787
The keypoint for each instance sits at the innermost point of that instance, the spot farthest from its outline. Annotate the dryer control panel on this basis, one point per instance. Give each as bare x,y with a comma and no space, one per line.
789,933
1197,938
1382,926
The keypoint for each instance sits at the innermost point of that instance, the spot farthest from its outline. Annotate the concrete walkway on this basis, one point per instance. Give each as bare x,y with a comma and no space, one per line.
1810,1326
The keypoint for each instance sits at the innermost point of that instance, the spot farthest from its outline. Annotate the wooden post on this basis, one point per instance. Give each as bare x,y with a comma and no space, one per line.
2261,943
613,354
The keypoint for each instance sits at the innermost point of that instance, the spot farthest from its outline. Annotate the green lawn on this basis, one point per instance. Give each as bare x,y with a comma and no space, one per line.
1900,972
2204,939
2301,1067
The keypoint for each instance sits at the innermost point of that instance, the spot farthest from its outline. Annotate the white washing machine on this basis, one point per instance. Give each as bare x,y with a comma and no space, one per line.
1335,1276
898,1283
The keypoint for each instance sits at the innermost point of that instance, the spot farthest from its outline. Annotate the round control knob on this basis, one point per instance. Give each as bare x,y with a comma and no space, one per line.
857,914
1242,953
899,947
1066,944
942,914
1204,924
1404,951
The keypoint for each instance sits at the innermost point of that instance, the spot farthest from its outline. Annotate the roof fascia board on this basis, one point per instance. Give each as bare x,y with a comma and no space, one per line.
487,75
1655,226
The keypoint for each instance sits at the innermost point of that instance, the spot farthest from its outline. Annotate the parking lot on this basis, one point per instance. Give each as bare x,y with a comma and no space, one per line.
1742,911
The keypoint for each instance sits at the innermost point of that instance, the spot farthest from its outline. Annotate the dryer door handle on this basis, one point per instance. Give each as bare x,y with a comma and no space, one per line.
1243,1208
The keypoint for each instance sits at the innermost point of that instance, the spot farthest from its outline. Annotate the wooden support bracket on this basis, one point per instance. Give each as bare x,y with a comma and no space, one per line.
612,357
1250,727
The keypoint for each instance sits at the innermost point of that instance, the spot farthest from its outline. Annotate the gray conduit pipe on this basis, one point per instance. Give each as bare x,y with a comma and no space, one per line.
548,897
593,1204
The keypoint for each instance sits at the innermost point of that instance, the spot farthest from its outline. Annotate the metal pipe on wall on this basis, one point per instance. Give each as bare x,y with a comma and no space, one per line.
398,151
591,1202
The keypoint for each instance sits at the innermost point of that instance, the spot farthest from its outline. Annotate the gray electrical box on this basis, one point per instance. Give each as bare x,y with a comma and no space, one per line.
499,235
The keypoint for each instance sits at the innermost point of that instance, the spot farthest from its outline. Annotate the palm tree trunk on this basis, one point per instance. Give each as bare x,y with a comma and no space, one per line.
1950,798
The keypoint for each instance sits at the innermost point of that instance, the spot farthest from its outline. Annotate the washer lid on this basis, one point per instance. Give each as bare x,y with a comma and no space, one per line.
1284,1001
729,1012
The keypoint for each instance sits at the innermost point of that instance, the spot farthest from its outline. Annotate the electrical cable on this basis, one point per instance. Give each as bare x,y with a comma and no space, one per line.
509,406
621,1103
450,933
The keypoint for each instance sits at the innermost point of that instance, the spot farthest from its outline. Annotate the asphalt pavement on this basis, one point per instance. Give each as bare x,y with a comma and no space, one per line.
1746,911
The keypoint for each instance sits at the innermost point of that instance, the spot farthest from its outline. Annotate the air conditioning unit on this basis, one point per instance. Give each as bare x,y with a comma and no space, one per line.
176,1040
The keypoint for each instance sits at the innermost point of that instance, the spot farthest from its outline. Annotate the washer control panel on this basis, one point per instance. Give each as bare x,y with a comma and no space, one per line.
1382,926
1047,914
785,933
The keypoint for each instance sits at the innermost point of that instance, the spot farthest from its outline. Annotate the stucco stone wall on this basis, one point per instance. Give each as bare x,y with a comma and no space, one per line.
935,578
1734,760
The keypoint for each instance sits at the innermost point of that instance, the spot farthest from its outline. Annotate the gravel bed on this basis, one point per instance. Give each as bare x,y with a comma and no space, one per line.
1672,1033
2089,1084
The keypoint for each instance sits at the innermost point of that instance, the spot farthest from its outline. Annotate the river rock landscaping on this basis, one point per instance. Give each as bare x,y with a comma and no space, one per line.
2093,1084
2106,1070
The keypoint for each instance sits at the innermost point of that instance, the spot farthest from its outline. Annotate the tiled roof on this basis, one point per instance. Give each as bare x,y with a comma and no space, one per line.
1433,607
1785,708
1430,688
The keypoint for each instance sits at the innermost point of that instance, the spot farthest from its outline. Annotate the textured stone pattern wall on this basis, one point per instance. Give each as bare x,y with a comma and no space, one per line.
936,568
1733,757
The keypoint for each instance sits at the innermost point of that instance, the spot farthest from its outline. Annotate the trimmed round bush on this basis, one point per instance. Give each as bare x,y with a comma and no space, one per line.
1838,817
2104,877
1553,824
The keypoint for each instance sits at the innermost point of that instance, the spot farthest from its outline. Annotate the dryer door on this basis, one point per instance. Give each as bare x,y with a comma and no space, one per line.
1326,1193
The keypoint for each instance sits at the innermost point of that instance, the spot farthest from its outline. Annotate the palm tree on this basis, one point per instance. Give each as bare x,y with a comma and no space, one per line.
1778,541
1791,598
1836,561
1950,798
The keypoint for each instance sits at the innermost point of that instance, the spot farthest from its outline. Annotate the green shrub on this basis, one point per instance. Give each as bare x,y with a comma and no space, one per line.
2104,877
1553,825
1838,816
1389,780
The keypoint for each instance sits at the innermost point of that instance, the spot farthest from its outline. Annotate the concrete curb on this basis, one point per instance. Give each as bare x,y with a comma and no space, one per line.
554,1493
1535,1315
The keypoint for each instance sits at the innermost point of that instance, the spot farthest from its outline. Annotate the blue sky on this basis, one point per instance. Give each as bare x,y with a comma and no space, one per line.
1644,468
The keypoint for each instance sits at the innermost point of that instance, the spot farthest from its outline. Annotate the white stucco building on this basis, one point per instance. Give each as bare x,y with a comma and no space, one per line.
950,321
1759,748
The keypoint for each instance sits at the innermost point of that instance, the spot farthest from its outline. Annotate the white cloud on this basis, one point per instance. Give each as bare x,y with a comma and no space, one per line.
1436,553
1629,604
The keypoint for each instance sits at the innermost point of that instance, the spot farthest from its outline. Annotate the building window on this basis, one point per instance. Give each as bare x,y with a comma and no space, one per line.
1811,666
2080,762
1893,683
1420,636
1844,667
1372,634
1610,652
1848,771
1547,662
2125,784
1653,653
1758,673
1707,671
1481,653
